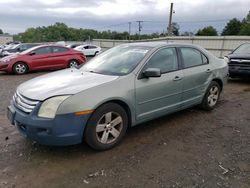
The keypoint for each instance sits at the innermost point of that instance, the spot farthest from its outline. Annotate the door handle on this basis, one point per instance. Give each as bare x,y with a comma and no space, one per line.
177,78
208,71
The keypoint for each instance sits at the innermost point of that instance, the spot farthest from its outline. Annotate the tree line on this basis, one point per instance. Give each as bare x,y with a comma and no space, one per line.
233,27
61,32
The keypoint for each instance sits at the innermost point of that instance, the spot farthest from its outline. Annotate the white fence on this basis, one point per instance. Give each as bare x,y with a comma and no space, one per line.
219,46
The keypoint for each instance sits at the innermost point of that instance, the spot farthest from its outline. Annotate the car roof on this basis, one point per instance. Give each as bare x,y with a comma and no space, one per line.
155,44
49,45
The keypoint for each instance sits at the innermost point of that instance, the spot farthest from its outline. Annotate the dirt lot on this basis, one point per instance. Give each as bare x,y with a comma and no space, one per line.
192,148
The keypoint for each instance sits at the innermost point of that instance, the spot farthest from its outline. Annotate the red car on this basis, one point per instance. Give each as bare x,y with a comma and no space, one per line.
45,57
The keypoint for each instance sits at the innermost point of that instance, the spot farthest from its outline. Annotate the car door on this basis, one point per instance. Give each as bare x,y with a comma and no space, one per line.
40,58
59,57
86,50
92,50
160,95
197,74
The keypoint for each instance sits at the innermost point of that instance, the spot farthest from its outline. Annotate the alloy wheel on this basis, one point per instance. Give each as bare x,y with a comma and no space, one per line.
109,127
20,68
213,96
73,64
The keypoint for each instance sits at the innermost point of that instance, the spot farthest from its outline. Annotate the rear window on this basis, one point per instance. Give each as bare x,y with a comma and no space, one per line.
59,49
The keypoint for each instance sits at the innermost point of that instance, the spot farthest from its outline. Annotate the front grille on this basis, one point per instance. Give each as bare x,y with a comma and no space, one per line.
23,103
239,62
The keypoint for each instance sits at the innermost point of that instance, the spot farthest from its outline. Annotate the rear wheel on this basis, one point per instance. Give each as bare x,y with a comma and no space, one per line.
106,127
212,96
20,68
73,63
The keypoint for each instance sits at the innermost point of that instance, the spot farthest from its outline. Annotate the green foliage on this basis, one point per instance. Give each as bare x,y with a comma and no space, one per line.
187,33
61,32
175,28
233,27
1,31
245,27
236,27
207,31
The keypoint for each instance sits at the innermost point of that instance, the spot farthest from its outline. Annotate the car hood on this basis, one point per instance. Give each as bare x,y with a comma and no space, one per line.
239,56
65,82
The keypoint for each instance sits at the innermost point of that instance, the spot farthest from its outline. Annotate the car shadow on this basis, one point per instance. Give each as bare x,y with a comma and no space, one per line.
239,80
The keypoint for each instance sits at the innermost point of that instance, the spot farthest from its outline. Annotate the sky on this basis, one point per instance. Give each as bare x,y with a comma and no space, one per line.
18,15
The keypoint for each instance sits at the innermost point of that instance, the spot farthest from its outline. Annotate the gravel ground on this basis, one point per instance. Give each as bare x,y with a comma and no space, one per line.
191,148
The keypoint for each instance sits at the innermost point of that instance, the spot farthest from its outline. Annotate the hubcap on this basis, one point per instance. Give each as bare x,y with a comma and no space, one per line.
213,96
109,127
73,64
20,68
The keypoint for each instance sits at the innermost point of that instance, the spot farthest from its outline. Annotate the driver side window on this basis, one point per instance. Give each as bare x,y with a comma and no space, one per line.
164,59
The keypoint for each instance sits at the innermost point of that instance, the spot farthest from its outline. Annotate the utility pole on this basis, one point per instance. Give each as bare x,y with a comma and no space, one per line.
129,30
170,20
139,28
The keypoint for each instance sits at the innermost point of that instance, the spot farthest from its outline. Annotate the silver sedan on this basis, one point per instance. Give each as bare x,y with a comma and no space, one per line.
122,87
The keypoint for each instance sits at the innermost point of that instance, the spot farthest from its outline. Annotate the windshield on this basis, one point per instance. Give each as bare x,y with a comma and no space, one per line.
117,61
243,49
12,46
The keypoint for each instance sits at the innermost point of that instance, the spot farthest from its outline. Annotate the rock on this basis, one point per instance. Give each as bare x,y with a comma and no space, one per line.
85,181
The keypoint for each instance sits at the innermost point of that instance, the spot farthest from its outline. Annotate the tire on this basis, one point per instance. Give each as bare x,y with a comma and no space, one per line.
73,63
212,96
20,68
95,53
99,133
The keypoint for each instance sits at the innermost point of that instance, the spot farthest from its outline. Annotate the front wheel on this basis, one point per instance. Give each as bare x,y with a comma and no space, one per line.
212,96
106,127
20,68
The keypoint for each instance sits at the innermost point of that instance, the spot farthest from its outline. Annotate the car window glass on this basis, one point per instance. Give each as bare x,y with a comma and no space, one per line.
86,47
43,50
23,47
204,59
59,49
92,47
165,60
243,49
119,60
191,57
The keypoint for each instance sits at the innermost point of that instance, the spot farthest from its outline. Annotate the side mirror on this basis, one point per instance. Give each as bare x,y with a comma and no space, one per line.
152,72
32,53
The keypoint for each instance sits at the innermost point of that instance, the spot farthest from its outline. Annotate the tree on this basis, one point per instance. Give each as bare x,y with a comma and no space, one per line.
207,31
233,27
175,28
187,33
1,31
245,26
61,32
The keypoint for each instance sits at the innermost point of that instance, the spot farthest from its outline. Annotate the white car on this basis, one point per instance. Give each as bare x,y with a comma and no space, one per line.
89,49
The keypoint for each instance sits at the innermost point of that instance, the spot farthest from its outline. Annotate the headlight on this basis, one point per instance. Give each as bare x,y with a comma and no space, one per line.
6,60
226,59
49,107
